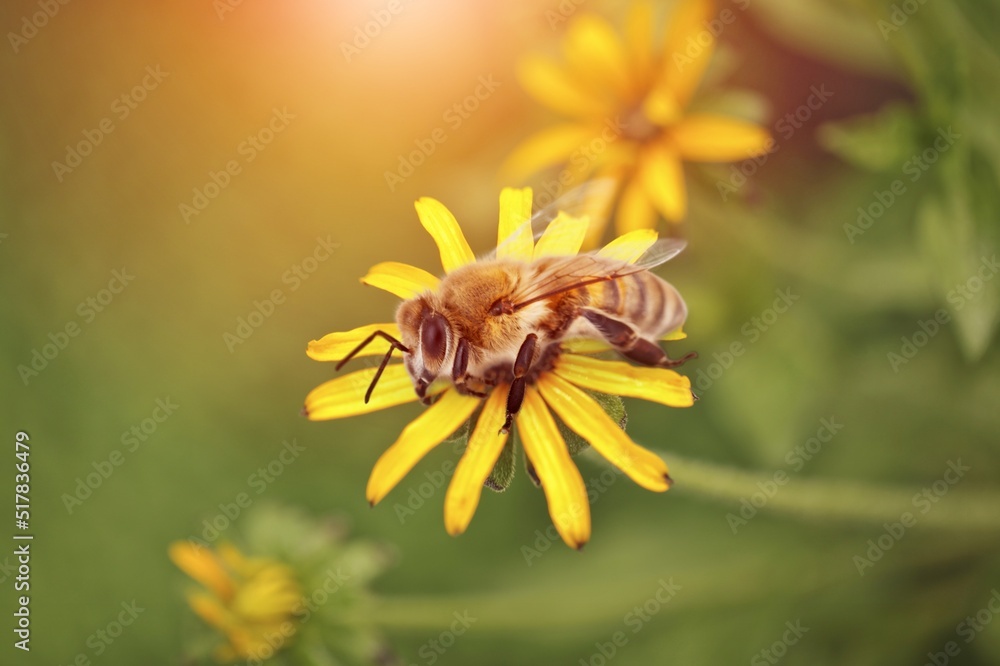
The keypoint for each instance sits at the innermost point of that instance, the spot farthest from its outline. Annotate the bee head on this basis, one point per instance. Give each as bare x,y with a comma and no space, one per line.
430,338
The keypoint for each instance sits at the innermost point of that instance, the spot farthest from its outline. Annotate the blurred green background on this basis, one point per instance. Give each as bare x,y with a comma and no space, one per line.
224,71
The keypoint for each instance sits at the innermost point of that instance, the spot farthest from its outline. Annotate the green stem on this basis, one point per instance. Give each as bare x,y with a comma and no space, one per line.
955,509
970,514
549,609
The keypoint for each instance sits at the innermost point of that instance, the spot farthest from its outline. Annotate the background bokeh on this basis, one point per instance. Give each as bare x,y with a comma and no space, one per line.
230,69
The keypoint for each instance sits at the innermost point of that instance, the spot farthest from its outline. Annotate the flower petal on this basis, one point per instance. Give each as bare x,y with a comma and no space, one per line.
661,107
684,61
585,346
269,597
335,346
595,53
444,229
635,210
561,480
715,138
553,87
401,280
209,609
563,237
629,247
477,462
584,416
639,41
515,210
550,146
424,433
345,396
203,565
679,334
663,181
615,162
618,378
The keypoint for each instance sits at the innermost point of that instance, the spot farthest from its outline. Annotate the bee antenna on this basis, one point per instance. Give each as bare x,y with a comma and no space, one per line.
396,344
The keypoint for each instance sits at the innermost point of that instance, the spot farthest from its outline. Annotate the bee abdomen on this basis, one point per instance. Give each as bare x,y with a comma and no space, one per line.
650,304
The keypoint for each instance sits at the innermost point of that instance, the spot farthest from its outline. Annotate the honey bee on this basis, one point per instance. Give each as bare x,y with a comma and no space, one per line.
501,321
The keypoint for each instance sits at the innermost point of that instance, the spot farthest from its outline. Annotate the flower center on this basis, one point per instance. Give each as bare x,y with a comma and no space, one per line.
638,127
504,373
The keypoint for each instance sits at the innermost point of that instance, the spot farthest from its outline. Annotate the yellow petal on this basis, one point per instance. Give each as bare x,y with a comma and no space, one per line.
271,596
335,346
209,609
639,41
444,229
202,565
663,182
564,490
477,462
515,210
617,378
553,87
679,334
615,162
629,247
401,280
425,432
550,146
585,346
688,48
584,416
563,237
345,396
661,107
595,53
635,210
231,556
715,138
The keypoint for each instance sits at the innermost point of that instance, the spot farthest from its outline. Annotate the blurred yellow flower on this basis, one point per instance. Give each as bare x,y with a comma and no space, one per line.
627,103
557,388
251,601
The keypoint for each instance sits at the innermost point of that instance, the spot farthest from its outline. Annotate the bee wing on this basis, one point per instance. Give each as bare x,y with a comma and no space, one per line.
560,274
660,252
557,275
591,199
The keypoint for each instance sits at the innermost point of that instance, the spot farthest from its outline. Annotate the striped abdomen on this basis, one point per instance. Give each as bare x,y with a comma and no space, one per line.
651,305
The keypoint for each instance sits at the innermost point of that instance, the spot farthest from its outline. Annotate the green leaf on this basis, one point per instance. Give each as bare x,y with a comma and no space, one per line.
740,102
880,141
503,471
965,273
611,404
460,438
833,31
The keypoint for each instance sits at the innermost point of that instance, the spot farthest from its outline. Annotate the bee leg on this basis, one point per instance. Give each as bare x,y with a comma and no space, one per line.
461,365
650,353
618,334
623,338
515,396
459,370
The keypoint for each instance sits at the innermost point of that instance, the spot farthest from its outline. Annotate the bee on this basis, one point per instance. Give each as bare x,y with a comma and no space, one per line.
501,321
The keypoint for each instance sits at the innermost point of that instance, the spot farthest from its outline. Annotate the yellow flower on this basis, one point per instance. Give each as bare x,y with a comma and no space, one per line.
557,389
251,601
627,103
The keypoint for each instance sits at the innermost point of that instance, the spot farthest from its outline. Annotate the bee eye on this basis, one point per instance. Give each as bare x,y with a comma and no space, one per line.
434,337
501,307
